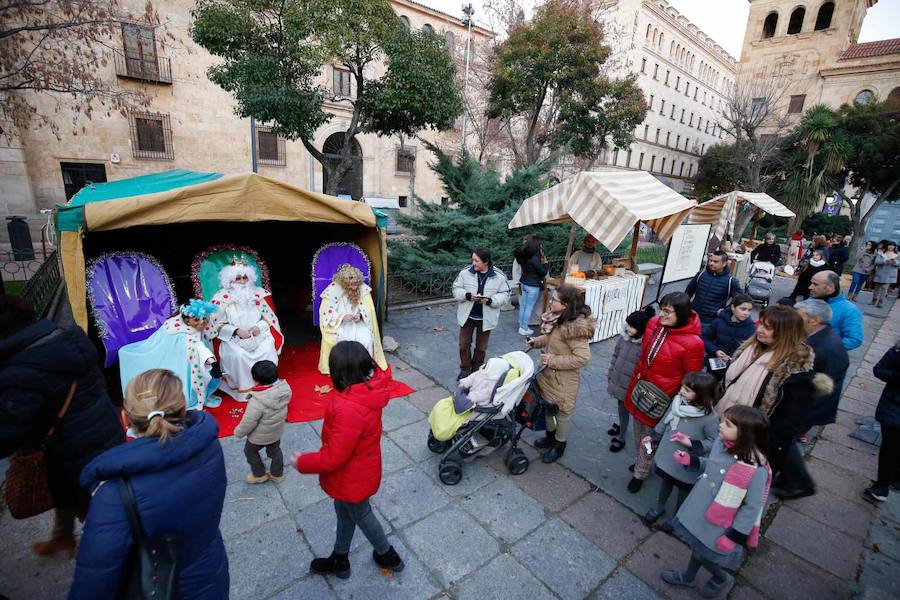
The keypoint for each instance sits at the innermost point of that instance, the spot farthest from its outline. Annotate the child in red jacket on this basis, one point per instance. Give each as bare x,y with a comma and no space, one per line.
349,462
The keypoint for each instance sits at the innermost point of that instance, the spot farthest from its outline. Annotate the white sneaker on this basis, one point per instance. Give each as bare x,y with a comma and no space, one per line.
525,331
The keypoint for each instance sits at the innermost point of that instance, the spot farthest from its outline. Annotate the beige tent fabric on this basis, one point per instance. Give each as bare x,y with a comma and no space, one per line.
72,255
246,197
607,204
721,211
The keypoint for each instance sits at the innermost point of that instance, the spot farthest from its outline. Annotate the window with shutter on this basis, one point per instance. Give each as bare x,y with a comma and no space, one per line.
270,147
341,82
406,159
140,52
796,105
151,136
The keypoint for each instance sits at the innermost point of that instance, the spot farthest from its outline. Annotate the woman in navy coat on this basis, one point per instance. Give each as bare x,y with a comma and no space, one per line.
177,470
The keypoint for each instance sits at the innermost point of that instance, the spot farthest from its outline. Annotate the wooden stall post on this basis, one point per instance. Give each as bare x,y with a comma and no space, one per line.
571,244
635,236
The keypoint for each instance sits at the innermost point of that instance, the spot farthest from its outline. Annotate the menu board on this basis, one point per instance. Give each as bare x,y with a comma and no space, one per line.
686,251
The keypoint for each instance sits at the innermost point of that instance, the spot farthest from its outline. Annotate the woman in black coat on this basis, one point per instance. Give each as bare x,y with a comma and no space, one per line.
39,362
888,416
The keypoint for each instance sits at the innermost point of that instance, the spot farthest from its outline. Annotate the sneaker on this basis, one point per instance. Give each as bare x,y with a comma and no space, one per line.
712,589
786,494
614,431
874,493
389,560
525,331
276,478
673,577
336,564
652,515
251,478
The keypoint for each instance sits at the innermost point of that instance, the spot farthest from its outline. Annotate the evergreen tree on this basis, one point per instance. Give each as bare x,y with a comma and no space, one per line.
481,205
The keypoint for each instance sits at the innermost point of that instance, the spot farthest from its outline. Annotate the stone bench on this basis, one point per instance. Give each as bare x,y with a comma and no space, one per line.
651,269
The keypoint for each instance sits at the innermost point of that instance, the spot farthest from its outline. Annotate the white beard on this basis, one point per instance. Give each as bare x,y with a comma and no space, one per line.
242,293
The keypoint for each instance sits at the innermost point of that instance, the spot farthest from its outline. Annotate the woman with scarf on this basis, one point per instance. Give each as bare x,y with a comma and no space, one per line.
817,263
862,270
886,264
773,371
672,348
566,331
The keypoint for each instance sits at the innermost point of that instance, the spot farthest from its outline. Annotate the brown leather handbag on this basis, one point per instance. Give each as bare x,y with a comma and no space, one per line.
27,484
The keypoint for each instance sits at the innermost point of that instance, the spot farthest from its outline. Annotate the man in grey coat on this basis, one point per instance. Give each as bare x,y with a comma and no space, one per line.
480,290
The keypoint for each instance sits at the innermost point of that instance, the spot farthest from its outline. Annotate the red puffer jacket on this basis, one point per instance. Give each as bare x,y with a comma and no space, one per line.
349,462
681,353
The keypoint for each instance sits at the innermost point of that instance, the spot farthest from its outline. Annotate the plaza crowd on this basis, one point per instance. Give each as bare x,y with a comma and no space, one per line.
719,405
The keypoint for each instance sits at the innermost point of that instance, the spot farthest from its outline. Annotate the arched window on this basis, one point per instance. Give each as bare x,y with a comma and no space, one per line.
655,35
894,97
769,25
405,20
649,29
823,18
451,41
795,25
864,97
426,28
351,182
671,48
661,36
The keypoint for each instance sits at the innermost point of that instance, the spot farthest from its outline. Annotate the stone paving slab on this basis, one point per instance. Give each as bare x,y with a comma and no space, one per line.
612,527
453,542
248,506
398,413
564,559
263,560
415,582
846,457
552,485
657,554
852,518
408,495
818,543
506,511
317,525
783,576
425,398
313,586
503,579
622,585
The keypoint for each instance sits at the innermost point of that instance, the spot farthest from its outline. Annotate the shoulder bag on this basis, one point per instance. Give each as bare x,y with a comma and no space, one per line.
647,397
153,566
27,490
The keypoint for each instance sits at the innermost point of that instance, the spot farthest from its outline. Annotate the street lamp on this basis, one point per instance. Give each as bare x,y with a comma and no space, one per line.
468,11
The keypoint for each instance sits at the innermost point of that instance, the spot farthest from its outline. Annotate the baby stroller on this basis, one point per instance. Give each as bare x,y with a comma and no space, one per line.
759,286
515,405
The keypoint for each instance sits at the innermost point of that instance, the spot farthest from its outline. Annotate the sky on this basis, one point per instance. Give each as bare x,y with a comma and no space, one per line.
722,20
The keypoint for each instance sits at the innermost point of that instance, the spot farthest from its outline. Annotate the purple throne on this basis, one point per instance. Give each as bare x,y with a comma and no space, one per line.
327,261
130,296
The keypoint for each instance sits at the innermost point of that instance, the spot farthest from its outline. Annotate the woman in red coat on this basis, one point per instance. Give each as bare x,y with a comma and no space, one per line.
349,462
672,347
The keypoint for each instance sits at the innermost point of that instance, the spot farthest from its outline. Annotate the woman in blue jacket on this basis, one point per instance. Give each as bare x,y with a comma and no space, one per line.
733,325
177,470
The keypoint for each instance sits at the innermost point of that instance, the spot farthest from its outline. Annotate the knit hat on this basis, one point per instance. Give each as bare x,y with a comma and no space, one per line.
639,319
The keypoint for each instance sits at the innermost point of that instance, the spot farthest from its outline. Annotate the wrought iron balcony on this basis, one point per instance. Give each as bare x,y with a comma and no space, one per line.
156,70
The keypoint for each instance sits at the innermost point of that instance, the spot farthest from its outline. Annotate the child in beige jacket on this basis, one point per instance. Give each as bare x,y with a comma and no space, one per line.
263,422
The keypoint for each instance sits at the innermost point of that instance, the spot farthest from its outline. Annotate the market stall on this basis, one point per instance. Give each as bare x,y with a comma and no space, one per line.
721,212
608,204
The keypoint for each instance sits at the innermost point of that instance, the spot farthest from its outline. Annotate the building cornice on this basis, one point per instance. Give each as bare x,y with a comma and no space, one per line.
675,19
422,8
854,69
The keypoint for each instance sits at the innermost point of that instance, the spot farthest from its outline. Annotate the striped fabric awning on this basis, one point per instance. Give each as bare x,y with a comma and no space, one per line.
721,211
607,204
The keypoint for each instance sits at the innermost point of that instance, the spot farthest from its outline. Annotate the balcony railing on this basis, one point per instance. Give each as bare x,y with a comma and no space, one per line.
158,70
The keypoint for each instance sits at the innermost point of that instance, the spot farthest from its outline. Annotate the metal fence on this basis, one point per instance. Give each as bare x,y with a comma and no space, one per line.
38,280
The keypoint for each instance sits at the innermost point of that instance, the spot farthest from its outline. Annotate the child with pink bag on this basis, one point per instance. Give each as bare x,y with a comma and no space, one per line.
721,516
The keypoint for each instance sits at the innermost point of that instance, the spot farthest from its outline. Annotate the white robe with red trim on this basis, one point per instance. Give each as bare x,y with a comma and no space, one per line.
237,356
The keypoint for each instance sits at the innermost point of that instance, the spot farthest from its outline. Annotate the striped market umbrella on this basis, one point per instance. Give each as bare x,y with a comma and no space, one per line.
721,211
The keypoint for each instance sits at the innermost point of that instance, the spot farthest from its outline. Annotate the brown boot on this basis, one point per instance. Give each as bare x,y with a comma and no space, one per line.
53,546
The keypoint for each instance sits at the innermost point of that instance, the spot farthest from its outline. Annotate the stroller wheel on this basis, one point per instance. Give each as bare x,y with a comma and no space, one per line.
516,462
437,446
450,472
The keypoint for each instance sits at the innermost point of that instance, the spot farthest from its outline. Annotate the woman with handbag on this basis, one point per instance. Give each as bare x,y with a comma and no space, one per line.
55,416
672,348
567,330
162,494
773,371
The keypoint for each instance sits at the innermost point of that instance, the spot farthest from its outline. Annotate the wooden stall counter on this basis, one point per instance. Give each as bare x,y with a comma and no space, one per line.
611,298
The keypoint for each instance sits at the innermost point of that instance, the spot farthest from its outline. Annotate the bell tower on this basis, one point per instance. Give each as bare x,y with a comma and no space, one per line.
787,42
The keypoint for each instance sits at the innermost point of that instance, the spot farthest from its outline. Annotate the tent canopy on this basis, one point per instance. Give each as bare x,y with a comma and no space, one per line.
180,196
607,204
721,211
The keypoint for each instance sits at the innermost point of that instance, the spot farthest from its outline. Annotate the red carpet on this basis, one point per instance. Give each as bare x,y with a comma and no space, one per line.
299,365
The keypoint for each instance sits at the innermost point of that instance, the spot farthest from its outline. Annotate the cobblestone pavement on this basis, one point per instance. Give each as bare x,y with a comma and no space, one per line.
567,530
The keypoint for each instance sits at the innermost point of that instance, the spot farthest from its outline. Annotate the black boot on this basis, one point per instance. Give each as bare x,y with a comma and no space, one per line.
336,564
554,453
546,442
389,560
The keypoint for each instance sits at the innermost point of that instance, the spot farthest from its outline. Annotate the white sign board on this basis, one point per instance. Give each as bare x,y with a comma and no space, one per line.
686,252
616,297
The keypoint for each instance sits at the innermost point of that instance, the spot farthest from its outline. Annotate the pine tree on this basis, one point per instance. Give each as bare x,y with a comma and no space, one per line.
480,207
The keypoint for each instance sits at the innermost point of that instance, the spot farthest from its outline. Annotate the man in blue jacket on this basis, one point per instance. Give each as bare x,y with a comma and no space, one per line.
711,288
846,319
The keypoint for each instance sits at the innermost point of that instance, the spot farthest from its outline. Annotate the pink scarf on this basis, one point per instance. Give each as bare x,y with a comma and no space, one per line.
731,496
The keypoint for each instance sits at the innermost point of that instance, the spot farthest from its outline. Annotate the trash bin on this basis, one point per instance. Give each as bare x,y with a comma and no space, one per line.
20,238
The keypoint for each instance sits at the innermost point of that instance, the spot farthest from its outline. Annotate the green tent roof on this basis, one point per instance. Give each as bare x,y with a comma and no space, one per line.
70,217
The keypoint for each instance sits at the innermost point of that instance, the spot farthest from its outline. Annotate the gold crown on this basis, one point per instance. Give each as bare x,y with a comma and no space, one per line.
239,262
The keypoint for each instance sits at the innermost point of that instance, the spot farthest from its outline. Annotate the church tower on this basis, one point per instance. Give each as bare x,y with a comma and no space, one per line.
788,43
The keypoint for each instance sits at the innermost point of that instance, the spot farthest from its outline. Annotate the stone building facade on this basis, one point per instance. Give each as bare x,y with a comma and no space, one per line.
807,50
686,78
190,124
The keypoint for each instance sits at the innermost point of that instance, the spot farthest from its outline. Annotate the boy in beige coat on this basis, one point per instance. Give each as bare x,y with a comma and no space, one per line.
263,422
